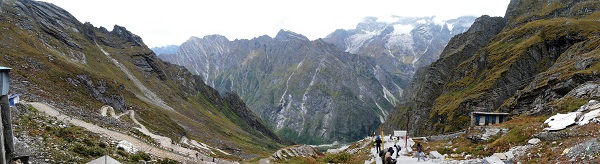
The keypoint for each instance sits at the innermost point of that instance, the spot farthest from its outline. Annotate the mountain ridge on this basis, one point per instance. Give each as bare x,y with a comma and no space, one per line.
79,67
300,87
290,57
515,72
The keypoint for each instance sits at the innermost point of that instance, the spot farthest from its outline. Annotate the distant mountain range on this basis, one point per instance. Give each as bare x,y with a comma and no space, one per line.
168,49
339,88
410,41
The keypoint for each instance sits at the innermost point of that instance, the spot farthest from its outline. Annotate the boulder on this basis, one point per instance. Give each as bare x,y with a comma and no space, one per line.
584,149
492,160
509,155
500,156
534,141
551,136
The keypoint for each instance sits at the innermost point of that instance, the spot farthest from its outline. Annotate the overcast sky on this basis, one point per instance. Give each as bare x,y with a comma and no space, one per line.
162,22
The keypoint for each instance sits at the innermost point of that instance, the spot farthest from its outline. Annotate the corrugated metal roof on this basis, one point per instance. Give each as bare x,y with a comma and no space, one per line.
104,160
4,68
491,113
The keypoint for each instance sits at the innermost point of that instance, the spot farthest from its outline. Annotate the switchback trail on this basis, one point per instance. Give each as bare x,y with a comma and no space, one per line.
165,142
140,145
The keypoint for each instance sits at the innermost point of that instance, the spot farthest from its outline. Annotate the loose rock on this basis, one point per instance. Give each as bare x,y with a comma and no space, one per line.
534,141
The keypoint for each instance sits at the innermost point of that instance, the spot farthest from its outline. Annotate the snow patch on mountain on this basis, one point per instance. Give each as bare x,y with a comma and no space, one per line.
389,96
383,113
439,21
281,115
400,29
450,25
358,40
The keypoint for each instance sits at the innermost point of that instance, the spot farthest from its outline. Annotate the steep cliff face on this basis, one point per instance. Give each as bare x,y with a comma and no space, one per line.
59,60
309,91
429,82
546,50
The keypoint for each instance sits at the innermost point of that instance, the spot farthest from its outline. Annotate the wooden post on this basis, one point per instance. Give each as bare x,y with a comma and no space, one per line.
382,139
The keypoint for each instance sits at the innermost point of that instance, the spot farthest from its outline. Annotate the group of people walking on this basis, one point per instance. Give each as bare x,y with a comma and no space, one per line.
386,157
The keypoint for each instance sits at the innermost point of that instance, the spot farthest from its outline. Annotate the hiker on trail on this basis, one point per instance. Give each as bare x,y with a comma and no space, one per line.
388,157
398,147
378,143
420,153
382,156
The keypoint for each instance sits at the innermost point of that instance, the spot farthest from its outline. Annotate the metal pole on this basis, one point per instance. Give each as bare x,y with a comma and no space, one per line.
3,153
7,129
7,136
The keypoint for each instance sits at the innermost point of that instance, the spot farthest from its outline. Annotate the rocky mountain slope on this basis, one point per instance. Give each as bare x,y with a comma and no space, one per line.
541,58
308,91
78,67
320,91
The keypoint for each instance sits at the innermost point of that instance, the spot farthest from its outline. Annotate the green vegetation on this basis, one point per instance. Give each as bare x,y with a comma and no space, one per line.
50,64
567,104
521,129
337,158
509,49
64,143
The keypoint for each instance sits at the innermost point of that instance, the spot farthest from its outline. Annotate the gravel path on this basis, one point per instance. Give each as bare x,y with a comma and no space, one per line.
400,159
140,145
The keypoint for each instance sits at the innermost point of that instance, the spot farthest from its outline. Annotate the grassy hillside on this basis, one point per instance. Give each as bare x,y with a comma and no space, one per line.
546,50
57,59
548,40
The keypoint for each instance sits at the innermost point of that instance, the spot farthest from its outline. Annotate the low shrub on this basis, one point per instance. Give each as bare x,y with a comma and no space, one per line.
337,158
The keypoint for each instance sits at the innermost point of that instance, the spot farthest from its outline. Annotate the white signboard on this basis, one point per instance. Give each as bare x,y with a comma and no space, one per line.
399,133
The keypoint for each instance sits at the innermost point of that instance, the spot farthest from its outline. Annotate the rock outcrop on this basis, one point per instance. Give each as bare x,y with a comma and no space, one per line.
78,67
295,151
428,82
546,50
